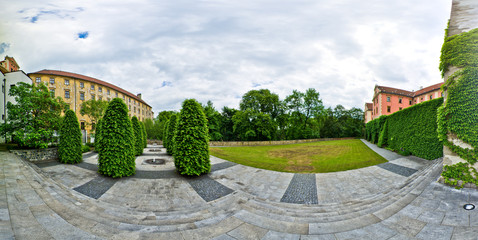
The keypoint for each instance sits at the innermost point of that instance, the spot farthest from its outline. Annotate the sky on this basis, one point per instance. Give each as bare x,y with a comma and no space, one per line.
171,50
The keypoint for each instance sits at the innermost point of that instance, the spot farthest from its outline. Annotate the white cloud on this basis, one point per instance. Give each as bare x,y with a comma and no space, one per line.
218,50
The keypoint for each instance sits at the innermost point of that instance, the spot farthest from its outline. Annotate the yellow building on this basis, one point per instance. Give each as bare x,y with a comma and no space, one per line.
75,89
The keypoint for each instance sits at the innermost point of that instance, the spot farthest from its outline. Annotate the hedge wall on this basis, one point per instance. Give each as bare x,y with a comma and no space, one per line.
69,150
413,129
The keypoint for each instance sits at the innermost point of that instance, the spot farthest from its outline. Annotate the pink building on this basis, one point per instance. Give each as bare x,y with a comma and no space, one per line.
387,100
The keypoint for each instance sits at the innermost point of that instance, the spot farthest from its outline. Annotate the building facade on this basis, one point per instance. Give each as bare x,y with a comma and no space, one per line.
387,100
75,89
10,75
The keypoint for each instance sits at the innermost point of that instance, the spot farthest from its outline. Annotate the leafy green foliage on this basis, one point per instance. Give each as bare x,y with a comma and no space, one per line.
94,109
214,122
460,171
340,122
85,148
116,156
302,109
98,135
69,150
165,138
143,134
191,154
412,129
170,134
138,136
32,120
382,139
253,126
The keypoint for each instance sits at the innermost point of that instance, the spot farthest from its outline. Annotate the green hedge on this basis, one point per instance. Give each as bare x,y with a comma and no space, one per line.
170,134
138,136
191,151
69,149
144,134
413,130
116,156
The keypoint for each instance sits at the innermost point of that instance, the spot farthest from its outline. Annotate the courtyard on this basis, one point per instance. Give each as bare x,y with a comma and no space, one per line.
399,199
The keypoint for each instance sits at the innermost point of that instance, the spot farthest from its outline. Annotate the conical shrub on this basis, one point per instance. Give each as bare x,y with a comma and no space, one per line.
144,134
191,151
98,136
138,136
116,155
69,150
171,129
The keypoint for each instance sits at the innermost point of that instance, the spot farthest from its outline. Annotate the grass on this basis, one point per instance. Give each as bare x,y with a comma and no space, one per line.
316,157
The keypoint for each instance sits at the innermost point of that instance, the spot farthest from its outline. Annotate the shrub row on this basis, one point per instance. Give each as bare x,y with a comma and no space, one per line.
413,130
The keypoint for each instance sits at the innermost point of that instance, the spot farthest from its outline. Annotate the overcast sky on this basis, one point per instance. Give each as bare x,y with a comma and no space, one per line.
217,50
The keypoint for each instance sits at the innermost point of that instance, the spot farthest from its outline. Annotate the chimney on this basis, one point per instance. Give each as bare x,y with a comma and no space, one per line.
139,95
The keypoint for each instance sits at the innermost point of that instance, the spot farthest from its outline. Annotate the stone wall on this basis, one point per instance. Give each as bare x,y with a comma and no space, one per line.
37,155
266,143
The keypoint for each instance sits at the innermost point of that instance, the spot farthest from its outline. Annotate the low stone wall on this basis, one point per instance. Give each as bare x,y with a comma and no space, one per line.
153,141
266,143
37,155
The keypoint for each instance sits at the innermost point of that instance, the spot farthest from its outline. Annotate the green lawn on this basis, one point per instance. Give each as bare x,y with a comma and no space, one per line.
316,157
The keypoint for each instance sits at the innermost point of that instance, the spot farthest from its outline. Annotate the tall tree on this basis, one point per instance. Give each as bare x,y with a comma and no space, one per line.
303,107
34,117
138,136
214,122
94,109
261,101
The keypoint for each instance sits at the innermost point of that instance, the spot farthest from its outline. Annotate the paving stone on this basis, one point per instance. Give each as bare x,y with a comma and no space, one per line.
411,211
224,237
208,188
435,232
456,218
400,170
271,224
435,217
272,235
342,226
96,187
379,231
318,237
247,231
302,190
465,233
404,225
4,214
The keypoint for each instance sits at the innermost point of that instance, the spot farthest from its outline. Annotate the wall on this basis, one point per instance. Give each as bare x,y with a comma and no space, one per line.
37,155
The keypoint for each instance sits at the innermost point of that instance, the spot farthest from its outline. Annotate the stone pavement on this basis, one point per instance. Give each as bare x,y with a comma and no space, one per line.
399,199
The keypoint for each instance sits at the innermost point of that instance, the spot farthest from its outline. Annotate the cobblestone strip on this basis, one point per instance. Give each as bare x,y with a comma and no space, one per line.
400,170
302,190
96,187
209,189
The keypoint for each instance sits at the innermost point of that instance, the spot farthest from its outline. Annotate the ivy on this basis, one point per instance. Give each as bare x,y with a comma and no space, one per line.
409,131
460,171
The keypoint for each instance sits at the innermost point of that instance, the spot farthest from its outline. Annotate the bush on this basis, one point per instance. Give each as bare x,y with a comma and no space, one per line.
70,148
170,134
85,148
412,130
382,139
145,136
98,136
116,156
191,154
165,135
138,136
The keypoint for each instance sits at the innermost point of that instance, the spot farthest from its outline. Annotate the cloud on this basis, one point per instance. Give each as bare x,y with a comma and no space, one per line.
218,50
4,47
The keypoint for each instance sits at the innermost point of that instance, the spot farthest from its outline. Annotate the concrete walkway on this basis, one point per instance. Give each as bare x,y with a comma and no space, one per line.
399,199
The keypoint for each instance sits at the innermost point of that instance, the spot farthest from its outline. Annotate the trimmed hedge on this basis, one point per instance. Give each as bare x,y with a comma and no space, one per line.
191,151
413,129
98,135
138,136
165,134
170,134
69,149
116,156
144,134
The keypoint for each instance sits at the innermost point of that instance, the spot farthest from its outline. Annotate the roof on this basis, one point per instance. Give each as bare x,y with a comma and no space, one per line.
89,79
369,106
402,92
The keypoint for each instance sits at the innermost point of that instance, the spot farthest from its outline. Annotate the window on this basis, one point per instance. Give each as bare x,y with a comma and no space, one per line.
82,96
399,100
410,102
431,97
134,110
123,97
3,88
67,82
388,99
108,91
38,79
389,109
52,80
421,99
93,96
82,125
52,92
3,117
92,87
400,109
100,89
116,94
129,99
82,85
67,93
129,108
